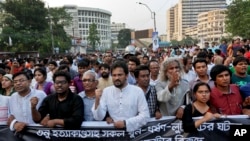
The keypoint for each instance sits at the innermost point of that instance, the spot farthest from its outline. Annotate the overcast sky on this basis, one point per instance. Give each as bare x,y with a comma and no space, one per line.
135,16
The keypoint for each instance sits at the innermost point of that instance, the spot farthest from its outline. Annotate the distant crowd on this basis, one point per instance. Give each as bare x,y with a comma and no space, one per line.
127,89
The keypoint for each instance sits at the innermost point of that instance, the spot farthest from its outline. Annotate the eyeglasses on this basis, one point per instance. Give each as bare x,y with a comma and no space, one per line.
88,80
20,81
63,82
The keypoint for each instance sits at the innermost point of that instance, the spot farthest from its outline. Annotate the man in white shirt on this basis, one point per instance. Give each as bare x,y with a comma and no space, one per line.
20,107
125,103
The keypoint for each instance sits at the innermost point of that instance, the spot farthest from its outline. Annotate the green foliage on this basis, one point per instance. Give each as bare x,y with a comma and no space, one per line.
238,18
124,38
93,37
27,22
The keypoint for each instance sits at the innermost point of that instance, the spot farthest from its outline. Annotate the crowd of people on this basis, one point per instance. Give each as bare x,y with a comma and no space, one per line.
128,89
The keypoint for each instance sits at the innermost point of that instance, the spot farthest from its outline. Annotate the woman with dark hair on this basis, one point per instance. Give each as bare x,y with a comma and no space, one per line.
40,75
198,108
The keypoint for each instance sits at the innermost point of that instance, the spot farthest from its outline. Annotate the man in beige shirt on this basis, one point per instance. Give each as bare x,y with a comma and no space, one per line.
105,80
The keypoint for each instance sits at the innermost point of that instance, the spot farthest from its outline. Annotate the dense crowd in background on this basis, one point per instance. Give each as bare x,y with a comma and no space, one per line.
127,88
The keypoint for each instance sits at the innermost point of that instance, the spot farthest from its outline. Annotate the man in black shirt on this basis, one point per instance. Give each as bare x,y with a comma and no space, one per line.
61,109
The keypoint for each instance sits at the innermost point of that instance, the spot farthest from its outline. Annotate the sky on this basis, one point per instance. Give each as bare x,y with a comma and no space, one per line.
135,16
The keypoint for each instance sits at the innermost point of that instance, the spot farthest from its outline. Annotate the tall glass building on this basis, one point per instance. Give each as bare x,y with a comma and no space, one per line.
185,14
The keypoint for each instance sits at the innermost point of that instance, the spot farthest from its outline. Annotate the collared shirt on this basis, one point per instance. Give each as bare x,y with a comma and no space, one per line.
127,104
70,109
103,83
88,103
131,79
170,101
189,76
210,82
229,104
20,106
151,98
153,82
78,84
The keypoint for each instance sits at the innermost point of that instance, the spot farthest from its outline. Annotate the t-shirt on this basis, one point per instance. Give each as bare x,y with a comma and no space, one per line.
240,81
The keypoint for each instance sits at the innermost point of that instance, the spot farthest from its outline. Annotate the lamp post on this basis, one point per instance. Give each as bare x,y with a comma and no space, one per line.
152,14
51,31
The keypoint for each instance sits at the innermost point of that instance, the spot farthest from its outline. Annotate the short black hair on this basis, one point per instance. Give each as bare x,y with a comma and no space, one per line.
2,71
120,64
63,66
217,69
21,73
202,55
53,63
134,59
83,63
106,66
140,68
62,73
199,60
239,59
197,85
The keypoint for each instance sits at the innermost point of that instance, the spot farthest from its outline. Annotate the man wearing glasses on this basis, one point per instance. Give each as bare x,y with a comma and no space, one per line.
90,82
63,109
20,109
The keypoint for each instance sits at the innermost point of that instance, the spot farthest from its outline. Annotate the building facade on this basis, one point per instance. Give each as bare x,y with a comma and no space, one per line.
186,14
83,17
115,28
211,25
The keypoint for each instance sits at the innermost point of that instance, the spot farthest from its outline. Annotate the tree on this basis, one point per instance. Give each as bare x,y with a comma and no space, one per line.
237,18
124,38
93,37
27,23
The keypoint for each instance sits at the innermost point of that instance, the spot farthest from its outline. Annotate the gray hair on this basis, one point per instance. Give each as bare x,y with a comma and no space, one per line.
165,64
92,73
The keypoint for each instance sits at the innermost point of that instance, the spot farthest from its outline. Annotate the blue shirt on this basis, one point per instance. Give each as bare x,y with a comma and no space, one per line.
88,103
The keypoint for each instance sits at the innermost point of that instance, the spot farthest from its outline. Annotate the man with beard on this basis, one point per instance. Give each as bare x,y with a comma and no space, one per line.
63,108
125,103
105,80
132,63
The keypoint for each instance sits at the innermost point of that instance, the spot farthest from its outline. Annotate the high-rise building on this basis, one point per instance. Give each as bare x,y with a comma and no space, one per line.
83,17
115,28
187,14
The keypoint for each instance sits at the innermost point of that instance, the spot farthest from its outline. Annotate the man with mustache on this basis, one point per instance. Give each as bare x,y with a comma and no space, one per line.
63,108
125,103
105,80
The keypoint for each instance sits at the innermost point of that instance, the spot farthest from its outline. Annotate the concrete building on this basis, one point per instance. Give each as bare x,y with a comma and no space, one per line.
211,25
186,14
83,17
115,28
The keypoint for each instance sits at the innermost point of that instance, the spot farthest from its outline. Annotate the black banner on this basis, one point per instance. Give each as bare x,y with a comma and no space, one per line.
167,129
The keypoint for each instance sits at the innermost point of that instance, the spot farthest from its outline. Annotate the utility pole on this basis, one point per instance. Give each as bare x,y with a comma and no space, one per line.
152,14
51,31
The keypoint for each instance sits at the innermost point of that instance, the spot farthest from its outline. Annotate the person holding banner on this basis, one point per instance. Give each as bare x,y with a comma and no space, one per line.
62,108
226,98
199,107
20,108
125,103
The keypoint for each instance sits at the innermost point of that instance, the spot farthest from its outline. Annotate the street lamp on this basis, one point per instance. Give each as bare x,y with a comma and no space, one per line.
152,14
51,30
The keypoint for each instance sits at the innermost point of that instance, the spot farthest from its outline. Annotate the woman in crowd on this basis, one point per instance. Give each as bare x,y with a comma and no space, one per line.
198,108
7,85
41,83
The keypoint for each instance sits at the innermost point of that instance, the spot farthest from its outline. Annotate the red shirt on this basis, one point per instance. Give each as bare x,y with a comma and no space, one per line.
227,104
